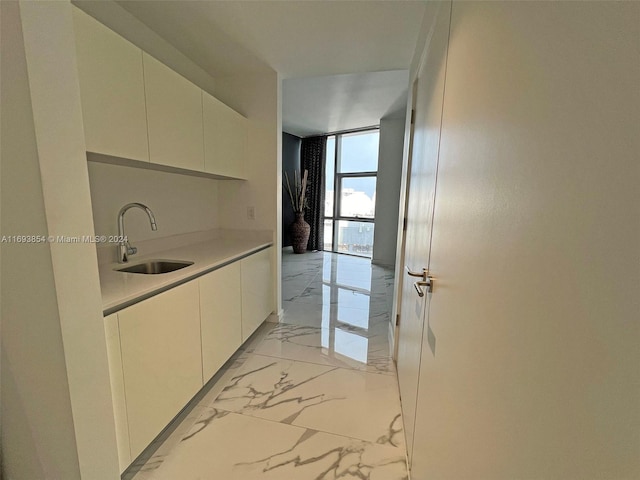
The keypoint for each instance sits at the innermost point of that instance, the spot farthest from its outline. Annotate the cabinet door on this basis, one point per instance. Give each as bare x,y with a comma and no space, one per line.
174,114
225,138
257,290
220,317
111,89
114,357
161,360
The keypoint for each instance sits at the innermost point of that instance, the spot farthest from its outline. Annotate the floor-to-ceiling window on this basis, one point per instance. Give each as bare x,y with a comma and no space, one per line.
350,192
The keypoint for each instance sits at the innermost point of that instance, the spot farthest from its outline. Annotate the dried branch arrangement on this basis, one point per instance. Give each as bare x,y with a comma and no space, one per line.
297,194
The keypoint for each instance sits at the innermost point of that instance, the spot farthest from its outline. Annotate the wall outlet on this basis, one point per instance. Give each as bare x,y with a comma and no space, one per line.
251,213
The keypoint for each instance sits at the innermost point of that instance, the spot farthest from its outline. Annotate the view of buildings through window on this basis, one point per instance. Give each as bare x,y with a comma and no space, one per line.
350,192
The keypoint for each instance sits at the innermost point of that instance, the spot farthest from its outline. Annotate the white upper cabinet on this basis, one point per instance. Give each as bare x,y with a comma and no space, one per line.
112,90
174,115
225,138
134,107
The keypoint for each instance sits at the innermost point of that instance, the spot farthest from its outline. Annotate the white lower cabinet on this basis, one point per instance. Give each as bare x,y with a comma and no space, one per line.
220,317
162,350
161,360
114,357
257,290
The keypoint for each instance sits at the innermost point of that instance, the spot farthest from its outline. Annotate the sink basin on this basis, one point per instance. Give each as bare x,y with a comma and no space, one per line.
154,267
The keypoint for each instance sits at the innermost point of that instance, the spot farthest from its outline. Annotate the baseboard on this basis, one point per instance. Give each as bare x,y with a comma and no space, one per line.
276,317
383,263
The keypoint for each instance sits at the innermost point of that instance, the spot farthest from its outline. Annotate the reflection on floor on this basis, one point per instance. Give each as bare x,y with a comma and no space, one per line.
314,397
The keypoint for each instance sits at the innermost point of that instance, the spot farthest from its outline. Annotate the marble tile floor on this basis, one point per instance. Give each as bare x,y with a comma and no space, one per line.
314,397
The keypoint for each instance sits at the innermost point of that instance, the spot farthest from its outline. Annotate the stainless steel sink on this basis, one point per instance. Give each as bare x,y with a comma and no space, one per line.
154,267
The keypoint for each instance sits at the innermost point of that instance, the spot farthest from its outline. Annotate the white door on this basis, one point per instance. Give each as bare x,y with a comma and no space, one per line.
535,248
428,95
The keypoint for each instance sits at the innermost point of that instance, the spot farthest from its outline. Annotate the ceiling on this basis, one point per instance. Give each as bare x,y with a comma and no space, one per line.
311,106
300,39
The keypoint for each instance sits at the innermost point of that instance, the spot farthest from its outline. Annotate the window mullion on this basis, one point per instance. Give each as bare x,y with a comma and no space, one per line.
336,192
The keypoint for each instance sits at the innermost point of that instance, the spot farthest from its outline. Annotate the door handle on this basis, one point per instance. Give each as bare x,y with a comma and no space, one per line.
423,274
427,280
427,283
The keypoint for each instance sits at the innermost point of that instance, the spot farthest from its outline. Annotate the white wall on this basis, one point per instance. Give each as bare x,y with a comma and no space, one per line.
180,203
388,188
258,97
56,399
35,442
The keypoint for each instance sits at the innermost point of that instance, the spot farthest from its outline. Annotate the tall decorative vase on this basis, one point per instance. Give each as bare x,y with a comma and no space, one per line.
300,231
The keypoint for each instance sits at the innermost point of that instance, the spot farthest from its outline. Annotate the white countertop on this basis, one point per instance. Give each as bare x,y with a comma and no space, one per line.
208,251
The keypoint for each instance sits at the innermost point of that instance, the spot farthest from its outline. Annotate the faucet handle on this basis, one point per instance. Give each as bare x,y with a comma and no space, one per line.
130,250
124,250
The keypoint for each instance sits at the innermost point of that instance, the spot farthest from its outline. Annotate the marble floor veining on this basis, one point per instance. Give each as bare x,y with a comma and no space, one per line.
314,397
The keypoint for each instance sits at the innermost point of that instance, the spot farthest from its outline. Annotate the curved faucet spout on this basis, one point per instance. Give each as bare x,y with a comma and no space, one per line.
124,248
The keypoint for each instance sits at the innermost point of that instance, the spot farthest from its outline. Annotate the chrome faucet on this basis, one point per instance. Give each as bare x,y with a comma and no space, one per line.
124,247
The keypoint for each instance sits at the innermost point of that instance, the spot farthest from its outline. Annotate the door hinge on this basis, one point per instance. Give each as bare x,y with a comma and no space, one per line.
397,319
404,224
413,116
